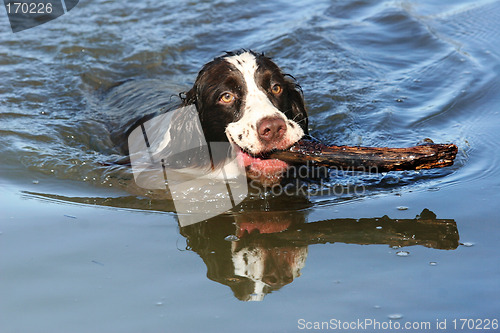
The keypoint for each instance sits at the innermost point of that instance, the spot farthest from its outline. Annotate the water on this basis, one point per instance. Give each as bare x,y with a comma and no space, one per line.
82,250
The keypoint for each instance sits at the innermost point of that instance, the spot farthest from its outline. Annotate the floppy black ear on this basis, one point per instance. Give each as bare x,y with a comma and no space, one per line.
195,97
190,97
199,89
298,109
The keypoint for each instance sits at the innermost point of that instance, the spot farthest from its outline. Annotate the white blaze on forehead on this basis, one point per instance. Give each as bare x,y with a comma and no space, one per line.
247,65
256,106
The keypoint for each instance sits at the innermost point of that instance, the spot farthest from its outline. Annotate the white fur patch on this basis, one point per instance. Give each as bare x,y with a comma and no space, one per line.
256,107
251,263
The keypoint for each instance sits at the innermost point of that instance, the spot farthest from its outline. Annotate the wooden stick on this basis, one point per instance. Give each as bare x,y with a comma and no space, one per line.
369,159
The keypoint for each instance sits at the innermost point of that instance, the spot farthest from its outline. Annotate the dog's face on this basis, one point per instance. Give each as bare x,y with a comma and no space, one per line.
245,98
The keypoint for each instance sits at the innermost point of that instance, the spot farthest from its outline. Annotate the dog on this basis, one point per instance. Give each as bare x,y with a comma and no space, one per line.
241,99
245,99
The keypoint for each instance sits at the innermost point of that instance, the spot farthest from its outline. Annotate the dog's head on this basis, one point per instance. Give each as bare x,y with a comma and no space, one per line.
244,98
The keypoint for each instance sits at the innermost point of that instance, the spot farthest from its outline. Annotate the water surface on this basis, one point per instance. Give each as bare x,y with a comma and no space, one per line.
83,250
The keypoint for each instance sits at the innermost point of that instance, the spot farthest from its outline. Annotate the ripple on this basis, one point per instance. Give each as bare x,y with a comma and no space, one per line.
395,316
402,253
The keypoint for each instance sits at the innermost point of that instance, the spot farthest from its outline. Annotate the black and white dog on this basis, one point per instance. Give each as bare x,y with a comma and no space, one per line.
244,98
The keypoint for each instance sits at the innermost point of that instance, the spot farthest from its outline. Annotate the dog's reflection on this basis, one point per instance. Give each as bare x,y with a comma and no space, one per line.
237,254
255,253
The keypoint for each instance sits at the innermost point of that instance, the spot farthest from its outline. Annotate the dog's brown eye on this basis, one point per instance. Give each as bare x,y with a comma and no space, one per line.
276,89
226,98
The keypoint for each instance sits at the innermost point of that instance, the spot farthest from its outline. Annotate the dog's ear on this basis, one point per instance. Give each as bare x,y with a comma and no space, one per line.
199,89
298,109
202,86
189,97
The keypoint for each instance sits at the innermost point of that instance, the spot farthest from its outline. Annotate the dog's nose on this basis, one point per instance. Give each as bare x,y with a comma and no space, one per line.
271,129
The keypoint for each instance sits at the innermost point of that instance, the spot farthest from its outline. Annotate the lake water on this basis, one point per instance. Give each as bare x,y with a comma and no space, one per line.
82,250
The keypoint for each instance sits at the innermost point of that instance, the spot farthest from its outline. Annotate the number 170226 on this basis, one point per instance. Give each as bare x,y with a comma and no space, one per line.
475,324
29,7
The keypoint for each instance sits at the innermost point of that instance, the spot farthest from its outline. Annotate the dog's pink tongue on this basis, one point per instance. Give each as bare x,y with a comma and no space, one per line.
267,172
262,165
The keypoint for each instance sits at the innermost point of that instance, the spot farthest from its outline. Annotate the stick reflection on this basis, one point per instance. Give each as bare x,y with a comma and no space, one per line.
270,248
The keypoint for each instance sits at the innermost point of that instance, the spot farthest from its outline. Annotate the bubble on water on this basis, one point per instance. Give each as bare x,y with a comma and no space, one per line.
395,316
402,208
468,244
378,227
36,182
402,253
231,238
433,263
